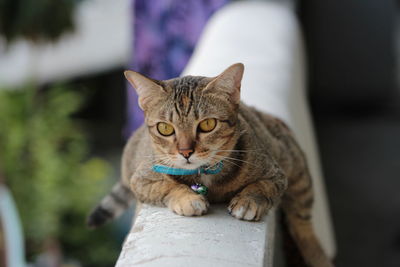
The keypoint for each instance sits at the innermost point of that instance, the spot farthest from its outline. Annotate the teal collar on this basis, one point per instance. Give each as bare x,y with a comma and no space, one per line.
176,171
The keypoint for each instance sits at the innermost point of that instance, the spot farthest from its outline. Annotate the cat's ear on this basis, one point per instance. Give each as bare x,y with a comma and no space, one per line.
146,88
228,82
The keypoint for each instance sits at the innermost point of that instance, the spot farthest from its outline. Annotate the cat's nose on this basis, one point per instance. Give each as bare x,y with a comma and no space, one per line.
186,152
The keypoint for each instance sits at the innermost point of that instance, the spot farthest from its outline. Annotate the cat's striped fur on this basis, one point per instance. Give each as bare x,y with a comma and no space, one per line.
264,166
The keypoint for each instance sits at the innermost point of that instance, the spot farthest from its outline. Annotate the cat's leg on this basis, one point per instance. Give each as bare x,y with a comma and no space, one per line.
184,201
257,198
159,189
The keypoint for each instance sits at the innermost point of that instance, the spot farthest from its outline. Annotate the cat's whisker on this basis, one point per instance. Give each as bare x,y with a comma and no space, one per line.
233,163
165,160
240,151
159,157
155,156
244,161
228,161
243,152
148,163
168,163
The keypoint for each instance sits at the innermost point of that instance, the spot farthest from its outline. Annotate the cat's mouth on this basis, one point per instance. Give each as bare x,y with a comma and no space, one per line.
189,163
194,162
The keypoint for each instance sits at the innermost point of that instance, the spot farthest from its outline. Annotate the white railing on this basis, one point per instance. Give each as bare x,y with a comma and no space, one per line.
161,238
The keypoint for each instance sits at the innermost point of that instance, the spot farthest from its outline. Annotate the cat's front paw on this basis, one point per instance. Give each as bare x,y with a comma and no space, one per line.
247,208
189,205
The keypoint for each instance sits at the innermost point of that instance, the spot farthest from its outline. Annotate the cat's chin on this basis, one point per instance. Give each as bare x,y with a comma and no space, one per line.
189,166
192,165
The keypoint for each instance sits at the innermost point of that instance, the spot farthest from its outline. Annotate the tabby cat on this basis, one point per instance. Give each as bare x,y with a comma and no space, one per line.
194,124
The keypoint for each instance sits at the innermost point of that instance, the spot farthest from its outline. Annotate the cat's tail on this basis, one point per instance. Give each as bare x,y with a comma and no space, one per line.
111,206
301,229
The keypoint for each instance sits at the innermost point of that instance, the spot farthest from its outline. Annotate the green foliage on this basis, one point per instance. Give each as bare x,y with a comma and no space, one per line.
36,19
44,157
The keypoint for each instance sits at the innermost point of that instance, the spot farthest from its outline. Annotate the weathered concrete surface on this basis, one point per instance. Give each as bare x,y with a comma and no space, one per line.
161,238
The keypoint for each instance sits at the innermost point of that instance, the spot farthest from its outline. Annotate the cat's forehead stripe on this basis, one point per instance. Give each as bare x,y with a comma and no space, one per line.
183,94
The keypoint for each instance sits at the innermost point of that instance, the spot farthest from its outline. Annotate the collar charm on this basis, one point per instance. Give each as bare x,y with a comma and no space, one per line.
199,189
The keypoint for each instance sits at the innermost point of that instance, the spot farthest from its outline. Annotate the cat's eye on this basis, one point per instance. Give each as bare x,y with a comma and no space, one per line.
207,125
165,128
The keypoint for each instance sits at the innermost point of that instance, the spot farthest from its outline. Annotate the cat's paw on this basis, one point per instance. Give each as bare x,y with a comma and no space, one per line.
189,205
247,208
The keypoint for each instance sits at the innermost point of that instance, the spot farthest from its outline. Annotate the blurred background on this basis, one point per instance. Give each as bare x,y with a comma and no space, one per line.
66,111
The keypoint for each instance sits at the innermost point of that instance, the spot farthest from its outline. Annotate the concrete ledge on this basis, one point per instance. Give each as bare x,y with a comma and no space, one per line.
161,238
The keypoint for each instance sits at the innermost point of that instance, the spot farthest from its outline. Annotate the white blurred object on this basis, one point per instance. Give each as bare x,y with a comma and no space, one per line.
265,36
101,41
14,242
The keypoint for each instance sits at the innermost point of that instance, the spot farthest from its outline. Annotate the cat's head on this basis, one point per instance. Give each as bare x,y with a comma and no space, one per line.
191,120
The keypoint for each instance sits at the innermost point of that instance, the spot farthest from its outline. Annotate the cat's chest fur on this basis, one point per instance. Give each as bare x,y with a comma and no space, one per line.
219,192
206,179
